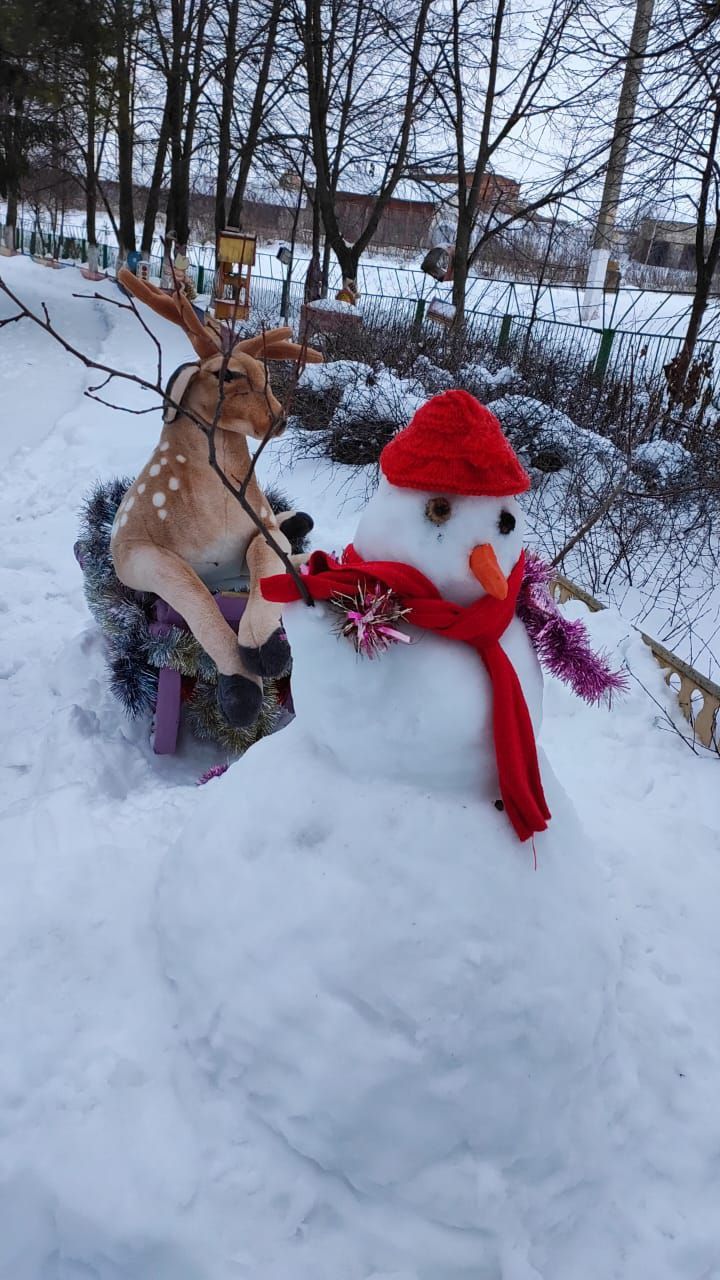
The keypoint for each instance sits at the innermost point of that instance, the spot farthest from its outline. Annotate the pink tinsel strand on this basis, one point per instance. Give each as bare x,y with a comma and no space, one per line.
562,646
216,771
368,619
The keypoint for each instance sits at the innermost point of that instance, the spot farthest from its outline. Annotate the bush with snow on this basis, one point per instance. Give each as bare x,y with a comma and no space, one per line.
320,389
662,463
546,437
432,376
355,408
474,376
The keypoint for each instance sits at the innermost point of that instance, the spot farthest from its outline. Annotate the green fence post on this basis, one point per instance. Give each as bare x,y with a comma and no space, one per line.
33,242
505,328
603,356
201,279
419,315
105,257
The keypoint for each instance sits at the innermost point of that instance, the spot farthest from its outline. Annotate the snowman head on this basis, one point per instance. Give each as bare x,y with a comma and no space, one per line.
446,500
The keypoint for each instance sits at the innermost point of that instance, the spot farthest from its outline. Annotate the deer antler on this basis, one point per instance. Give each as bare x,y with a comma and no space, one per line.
273,344
292,351
209,339
174,307
253,346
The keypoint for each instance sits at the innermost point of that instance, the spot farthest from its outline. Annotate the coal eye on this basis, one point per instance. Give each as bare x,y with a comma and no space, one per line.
507,522
438,510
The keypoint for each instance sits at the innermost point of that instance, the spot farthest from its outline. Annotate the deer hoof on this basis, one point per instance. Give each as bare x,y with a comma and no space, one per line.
271,658
239,700
296,527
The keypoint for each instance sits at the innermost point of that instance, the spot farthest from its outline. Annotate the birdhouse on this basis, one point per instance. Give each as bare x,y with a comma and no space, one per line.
235,261
441,312
436,262
284,254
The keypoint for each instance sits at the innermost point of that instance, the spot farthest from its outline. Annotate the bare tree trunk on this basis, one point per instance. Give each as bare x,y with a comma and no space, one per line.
285,304
124,128
225,124
182,210
541,279
469,199
706,263
155,188
176,102
91,166
11,216
256,116
461,264
322,74
325,274
602,241
12,140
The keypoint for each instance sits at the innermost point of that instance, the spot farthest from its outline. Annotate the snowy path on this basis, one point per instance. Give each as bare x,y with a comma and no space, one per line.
120,1159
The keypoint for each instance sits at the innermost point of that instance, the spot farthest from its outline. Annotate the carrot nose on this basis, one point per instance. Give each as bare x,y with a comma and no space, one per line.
483,563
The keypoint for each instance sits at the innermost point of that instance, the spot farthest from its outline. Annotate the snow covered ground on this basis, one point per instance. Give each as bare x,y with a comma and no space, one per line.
207,994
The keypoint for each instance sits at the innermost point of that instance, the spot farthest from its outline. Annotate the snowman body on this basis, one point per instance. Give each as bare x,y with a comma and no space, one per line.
427,705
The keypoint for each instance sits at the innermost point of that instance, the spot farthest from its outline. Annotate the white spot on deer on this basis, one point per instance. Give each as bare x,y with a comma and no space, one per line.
263,513
158,499
155,469
113,532
162,513
142,488
173,483
164,445
180,457
123,520
129,502
163,462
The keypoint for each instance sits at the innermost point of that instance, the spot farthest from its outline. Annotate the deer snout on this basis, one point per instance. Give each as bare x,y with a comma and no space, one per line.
279,424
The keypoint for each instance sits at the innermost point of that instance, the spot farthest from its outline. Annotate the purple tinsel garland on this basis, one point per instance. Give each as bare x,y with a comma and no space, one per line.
563,647
216,771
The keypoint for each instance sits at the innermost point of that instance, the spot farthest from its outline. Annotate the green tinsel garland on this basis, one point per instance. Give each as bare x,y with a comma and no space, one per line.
134,656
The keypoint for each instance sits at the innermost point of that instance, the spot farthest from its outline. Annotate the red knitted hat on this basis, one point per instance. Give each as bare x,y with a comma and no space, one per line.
453,444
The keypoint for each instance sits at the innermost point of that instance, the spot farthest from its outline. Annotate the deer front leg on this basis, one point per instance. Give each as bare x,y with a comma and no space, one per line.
145,567
262,641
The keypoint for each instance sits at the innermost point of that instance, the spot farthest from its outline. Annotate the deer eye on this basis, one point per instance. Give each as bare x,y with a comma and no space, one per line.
231,375
507,522
439,510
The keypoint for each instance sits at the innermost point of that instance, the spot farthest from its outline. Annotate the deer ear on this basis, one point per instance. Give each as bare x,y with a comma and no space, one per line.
178,383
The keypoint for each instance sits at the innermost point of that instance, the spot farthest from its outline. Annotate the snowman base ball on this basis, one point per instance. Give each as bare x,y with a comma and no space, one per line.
406,1030
387,1002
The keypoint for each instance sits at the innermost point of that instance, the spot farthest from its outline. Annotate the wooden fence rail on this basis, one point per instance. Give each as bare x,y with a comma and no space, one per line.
698,697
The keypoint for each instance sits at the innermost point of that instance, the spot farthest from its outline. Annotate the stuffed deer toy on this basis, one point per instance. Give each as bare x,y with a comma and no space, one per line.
179,531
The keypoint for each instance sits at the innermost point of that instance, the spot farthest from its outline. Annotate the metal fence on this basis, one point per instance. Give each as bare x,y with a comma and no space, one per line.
70,245
494,318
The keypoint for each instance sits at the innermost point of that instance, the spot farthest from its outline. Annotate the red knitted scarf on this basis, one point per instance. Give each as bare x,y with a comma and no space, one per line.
479,625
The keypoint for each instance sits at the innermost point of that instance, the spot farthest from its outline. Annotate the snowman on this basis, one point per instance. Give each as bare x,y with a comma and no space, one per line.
460,704
405,1031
